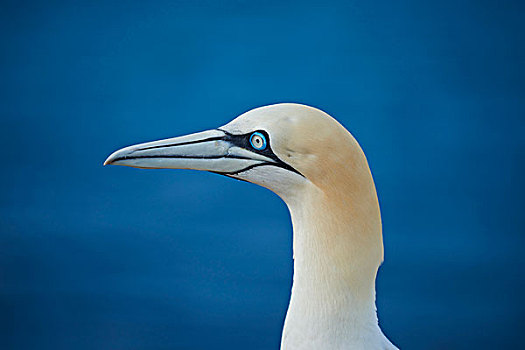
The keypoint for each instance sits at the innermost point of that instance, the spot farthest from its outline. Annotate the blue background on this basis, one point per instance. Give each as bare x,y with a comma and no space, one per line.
120,258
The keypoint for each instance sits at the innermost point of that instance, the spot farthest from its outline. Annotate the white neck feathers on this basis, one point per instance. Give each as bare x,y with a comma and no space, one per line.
337,250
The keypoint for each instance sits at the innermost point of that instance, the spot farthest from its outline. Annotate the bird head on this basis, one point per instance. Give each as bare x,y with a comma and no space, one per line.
280,147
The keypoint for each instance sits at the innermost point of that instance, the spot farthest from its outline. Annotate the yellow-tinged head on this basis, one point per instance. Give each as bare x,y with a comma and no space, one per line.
280,147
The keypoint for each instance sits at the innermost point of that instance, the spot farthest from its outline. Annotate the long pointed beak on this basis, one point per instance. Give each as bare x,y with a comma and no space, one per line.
209,150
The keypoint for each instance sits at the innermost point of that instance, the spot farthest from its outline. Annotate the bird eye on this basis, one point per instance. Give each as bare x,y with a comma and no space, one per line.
258,141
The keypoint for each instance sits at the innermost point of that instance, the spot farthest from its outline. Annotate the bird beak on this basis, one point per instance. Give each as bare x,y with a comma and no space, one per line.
210,150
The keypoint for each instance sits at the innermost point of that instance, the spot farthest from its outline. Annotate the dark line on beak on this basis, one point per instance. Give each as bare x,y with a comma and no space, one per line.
215,138
167,156
280,165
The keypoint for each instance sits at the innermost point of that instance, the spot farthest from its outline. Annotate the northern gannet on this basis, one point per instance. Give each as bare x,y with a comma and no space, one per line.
317,167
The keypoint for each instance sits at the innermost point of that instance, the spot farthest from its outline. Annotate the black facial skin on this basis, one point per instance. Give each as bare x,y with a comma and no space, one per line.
242,141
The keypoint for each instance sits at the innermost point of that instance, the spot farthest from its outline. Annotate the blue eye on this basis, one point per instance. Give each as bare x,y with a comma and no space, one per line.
258,141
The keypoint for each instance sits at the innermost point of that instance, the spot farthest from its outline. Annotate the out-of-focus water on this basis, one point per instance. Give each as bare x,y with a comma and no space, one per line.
120,258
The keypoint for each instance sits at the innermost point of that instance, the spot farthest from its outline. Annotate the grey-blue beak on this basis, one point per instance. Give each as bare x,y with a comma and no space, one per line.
211,150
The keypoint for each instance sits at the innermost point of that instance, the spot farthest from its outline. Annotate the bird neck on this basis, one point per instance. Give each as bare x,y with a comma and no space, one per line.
337,250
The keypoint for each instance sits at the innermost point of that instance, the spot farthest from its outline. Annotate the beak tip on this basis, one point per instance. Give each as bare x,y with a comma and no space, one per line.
110,159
